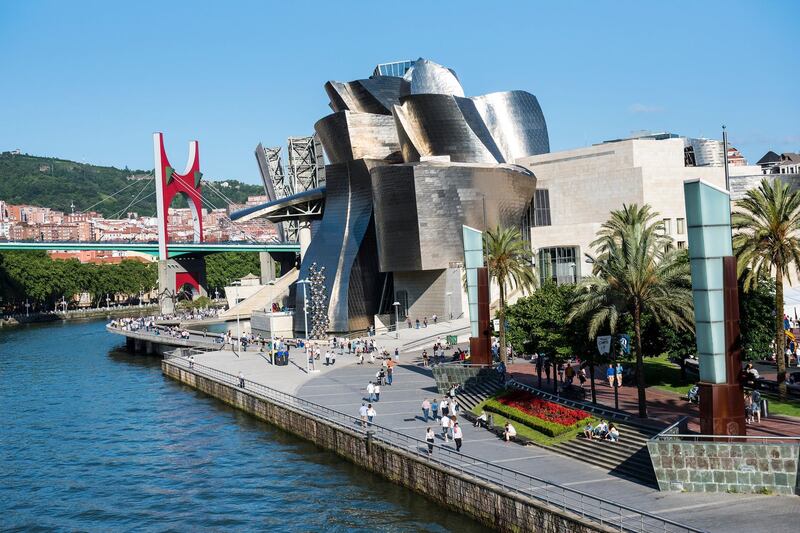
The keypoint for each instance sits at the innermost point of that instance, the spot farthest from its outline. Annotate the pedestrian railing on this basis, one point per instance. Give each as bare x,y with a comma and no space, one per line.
678,432
569,501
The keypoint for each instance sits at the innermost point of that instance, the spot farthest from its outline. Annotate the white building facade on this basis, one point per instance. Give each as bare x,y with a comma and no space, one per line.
577,190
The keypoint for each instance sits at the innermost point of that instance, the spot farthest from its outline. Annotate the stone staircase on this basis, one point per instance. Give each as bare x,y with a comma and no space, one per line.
471,395
627,458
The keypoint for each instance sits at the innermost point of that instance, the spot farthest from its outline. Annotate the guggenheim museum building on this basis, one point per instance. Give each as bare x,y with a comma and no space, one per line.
410,159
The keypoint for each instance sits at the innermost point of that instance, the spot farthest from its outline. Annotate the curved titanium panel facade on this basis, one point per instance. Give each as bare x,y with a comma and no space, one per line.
336,246
435,125
516,123
428,77
375,95
347,136
419,209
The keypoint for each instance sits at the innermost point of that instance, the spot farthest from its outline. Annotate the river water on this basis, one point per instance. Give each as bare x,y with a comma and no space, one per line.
95,439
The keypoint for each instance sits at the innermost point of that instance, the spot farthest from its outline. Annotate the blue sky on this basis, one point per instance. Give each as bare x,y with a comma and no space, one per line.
92,80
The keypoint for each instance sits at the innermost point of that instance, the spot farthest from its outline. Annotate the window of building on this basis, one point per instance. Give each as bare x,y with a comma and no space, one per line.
667,226
541,208
681,225
558,265
681,245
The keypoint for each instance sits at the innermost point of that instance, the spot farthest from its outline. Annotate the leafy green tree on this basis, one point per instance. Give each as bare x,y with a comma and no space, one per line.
767,244
756,307
508,258
635,272
222,269
536,322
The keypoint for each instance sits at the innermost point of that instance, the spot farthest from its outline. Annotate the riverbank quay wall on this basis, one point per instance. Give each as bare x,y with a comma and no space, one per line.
498,507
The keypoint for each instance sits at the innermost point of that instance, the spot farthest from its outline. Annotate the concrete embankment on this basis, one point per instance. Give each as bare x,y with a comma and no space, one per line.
490,504
80,314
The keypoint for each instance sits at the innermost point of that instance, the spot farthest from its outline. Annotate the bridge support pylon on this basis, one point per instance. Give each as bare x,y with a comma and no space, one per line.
180,277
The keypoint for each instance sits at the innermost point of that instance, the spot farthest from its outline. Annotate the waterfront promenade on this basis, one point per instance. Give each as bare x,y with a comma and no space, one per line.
341,389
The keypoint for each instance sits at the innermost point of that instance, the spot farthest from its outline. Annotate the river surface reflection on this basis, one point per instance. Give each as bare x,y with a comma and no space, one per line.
96,439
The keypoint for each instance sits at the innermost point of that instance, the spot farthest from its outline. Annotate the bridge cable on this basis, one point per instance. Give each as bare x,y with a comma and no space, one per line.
106,198
208,203
135,198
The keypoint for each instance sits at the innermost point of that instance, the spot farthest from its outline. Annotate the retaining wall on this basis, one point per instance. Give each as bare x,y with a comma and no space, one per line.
707,466
482,501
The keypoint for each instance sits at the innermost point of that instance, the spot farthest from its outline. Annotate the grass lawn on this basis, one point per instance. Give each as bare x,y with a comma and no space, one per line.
663,374
528,433
777,407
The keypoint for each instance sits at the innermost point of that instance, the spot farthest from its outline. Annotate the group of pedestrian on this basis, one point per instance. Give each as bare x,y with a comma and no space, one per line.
367,414
373,392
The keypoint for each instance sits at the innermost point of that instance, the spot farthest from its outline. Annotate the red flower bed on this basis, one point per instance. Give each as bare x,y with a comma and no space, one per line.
543,409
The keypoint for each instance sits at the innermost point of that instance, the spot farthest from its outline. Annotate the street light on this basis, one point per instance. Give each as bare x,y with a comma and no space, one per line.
27,307
108,306
396,320
236,285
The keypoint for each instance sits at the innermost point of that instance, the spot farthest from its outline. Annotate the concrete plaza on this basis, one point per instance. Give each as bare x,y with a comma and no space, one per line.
343,388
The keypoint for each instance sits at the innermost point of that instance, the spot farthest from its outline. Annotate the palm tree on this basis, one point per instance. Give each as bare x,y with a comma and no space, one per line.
508,258
767,242
636,272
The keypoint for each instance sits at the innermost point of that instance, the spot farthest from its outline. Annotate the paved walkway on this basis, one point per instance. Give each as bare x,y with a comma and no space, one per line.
663,407
343,389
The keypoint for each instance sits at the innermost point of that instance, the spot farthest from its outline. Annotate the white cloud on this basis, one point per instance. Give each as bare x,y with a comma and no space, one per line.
644,108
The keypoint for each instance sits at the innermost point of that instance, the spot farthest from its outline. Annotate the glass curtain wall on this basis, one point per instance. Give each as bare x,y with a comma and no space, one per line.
558,265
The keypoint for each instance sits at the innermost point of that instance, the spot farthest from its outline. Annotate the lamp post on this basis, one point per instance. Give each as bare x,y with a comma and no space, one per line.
27,307
108,300
236,285
396,320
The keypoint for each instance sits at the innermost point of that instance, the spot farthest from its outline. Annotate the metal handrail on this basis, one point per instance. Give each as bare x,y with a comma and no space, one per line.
568,500
729,438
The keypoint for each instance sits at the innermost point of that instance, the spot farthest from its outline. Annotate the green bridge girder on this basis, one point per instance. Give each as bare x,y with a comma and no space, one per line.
175,249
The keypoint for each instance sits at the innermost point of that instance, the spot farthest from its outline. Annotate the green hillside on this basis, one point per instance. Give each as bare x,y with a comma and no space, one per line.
56,183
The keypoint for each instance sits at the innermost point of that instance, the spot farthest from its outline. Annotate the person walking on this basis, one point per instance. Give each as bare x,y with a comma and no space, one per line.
426,409
435,409
327,358
370,392
619,374
457,436
445,427
430,439
389,375
445,408
610,375
362,413
370,414
451,426
241,379
377,392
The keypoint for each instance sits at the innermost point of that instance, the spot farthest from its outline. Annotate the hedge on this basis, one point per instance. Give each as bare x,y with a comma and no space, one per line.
542,426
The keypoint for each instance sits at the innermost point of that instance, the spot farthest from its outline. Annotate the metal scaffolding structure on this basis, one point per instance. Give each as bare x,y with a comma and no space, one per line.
306,170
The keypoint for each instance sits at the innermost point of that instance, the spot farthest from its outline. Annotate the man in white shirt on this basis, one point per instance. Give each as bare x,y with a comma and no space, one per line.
371,391
370,414
362,412
445,427
377,392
